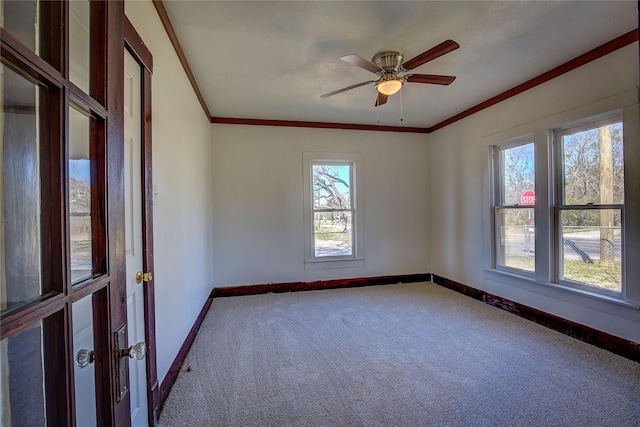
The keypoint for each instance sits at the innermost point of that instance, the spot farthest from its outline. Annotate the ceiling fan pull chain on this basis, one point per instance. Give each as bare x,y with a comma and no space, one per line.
401,118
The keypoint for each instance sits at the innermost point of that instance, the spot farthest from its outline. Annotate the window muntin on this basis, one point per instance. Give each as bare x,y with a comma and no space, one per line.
514,208
333,209
590,204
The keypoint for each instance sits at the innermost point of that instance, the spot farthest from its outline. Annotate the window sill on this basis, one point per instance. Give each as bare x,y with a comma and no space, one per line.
590,299
327,264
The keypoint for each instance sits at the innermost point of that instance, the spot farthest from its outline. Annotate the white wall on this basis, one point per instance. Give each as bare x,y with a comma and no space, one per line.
258,193
459,190
183,273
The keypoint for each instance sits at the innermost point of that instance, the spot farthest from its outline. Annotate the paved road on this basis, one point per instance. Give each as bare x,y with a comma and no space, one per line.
587,242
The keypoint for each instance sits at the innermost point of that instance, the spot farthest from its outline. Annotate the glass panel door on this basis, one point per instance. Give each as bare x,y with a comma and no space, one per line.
57,297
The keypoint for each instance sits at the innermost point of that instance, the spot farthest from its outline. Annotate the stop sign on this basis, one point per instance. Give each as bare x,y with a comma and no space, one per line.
528,198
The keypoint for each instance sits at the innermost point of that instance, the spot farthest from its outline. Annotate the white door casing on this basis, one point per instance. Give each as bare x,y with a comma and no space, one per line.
133,234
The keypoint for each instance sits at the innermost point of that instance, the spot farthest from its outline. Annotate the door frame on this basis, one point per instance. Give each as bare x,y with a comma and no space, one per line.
139,51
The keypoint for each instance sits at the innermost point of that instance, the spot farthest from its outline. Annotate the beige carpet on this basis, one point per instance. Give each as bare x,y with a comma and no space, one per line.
397,355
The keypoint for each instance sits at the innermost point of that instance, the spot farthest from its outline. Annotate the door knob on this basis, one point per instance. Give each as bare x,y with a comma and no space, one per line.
136,351
143,277
84,358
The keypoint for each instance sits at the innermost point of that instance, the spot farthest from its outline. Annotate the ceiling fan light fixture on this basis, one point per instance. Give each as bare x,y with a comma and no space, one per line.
389,87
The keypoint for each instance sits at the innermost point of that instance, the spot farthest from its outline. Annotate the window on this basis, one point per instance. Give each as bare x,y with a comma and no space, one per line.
332,209
578,240
590,203
332,215
514,211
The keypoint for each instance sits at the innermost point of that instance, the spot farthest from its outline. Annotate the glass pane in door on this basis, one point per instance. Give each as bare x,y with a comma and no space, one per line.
20,198
84,370
79,39
21,19
80,196
22,398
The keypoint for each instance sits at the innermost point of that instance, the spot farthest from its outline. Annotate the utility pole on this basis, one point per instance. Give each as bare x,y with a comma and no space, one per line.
606,196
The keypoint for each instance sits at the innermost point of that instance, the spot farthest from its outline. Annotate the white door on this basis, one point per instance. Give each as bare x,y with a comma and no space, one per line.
133,231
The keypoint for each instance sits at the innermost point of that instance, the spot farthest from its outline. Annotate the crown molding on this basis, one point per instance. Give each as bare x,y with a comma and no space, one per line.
585,58
166,22
316,125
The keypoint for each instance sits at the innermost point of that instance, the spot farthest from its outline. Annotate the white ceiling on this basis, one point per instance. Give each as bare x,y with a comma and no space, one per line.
273,60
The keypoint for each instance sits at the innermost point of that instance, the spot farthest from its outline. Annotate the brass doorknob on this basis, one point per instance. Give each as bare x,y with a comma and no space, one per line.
143,277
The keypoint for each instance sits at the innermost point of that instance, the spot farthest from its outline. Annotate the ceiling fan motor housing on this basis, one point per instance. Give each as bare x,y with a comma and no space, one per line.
389,61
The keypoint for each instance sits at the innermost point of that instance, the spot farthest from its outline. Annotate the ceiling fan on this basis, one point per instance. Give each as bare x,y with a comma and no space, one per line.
388,67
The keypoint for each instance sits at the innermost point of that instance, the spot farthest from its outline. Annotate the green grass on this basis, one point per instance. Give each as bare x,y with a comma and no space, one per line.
334,232
601,275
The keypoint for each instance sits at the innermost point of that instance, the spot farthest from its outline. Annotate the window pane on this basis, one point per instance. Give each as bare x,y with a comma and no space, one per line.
517,174
20,226
84,369
79,38
22,388
593,166
21,19
591,250
516,238
331,186
80,196
333,234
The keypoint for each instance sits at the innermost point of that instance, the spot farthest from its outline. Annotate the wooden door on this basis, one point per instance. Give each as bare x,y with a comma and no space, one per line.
61,214
136,278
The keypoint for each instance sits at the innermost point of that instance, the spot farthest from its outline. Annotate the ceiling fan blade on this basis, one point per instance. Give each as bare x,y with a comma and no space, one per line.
431,54
431,79
361,62
381,99
344,89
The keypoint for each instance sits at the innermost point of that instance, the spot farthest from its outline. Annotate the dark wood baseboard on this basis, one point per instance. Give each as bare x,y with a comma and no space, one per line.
617,345
232,291
171,376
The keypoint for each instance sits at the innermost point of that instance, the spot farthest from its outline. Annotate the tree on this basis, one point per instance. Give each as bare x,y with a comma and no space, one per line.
331,189
518,164
585,182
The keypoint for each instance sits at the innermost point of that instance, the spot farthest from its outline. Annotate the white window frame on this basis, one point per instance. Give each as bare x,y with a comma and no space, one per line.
498,204
356,259
559,206
544,280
